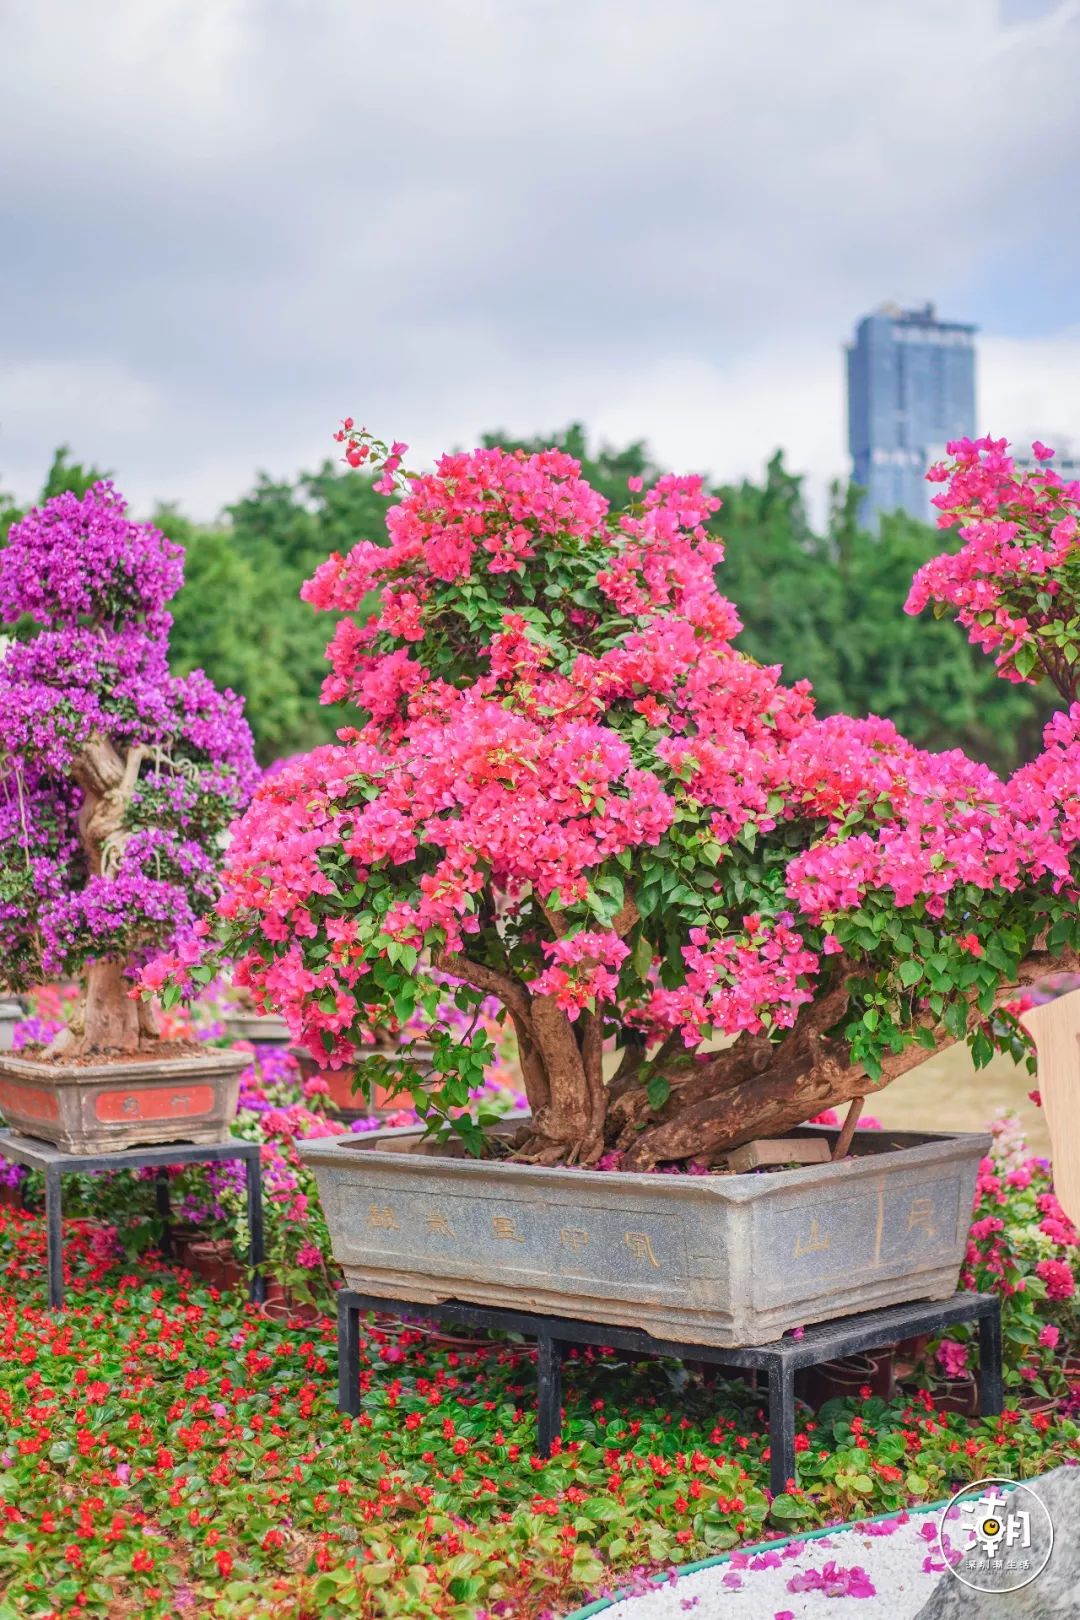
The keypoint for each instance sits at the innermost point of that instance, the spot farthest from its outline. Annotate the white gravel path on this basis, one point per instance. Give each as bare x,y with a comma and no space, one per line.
900,1561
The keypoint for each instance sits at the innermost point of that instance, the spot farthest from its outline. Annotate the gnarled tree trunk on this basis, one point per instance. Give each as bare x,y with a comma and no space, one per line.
757,1087
108,1020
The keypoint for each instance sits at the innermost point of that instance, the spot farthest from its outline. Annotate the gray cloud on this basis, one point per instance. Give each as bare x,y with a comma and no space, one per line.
227,222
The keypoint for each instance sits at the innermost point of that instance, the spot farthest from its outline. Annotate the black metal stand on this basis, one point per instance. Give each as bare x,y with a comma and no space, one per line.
43,1156
781,1360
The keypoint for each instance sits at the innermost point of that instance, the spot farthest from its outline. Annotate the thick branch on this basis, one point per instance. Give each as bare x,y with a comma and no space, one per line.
694,1086
533,1072
566,1120
108,781
809,1073
510,992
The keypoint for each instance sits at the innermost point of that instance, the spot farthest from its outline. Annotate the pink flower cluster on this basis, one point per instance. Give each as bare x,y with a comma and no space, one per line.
834,1580
553,721
1012,578
582,967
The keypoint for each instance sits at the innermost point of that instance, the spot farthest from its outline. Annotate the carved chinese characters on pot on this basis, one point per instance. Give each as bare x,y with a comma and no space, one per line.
640,1246
813,1241
534,1237
880,1226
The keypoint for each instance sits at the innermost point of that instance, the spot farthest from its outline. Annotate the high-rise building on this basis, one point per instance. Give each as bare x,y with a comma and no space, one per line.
911,388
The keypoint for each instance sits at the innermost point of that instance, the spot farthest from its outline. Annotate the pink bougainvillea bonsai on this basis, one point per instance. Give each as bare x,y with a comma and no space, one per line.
568,789
116,777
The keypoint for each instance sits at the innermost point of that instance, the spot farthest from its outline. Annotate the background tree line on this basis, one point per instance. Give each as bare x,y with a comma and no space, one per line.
826,606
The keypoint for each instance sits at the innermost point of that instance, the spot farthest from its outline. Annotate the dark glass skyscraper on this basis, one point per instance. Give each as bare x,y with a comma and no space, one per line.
911,387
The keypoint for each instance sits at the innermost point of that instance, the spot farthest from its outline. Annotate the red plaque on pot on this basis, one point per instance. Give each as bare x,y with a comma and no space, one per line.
29,1101
176,1102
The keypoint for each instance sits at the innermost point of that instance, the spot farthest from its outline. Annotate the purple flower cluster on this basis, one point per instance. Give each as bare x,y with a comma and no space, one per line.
75,559
96,674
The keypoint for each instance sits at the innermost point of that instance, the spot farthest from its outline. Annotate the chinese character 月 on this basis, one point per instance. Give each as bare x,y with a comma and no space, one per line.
573,1237
382,1216
640,1246
504,1226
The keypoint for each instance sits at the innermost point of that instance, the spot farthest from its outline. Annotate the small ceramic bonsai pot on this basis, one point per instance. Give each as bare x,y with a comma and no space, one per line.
88,1107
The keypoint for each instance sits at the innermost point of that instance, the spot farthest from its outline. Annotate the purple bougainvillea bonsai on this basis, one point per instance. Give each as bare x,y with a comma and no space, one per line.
117,778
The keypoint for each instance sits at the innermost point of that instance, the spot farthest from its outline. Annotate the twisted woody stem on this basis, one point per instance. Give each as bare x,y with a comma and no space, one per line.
108,1019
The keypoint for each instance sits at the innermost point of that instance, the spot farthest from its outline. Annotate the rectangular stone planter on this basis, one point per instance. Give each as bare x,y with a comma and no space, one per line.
261,1029
102,1107
719,1259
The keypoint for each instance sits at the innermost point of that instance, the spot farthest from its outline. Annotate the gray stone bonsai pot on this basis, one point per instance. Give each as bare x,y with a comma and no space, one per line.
262,1029
11,1012
717,1259
102,1107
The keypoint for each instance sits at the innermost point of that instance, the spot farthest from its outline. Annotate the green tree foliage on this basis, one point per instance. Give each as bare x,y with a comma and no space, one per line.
828,607
243,623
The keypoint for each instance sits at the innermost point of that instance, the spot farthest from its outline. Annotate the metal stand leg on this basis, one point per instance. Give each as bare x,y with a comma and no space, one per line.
781,1426
348,1339
549,1353
991,1388
54,1237
253,1180
164,1209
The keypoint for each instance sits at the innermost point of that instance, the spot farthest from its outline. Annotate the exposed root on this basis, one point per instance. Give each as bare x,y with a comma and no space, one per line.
541,1150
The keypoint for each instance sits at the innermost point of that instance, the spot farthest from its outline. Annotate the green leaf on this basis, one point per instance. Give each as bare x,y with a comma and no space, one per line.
642,956
658,1091
788,1507
910,972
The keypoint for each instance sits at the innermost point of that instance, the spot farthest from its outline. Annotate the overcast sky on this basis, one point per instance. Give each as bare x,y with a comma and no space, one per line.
225,223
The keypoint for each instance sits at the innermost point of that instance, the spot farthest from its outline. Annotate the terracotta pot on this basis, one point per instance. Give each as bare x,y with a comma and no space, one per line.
105,1107
957,1395
1039,1403
436,1338
845,1377
912,1349
214,1259
11,1197
352,1104
279,1306
183,1236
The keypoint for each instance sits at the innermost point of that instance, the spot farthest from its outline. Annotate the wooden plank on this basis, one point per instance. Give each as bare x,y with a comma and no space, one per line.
783,1150
1055,1029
